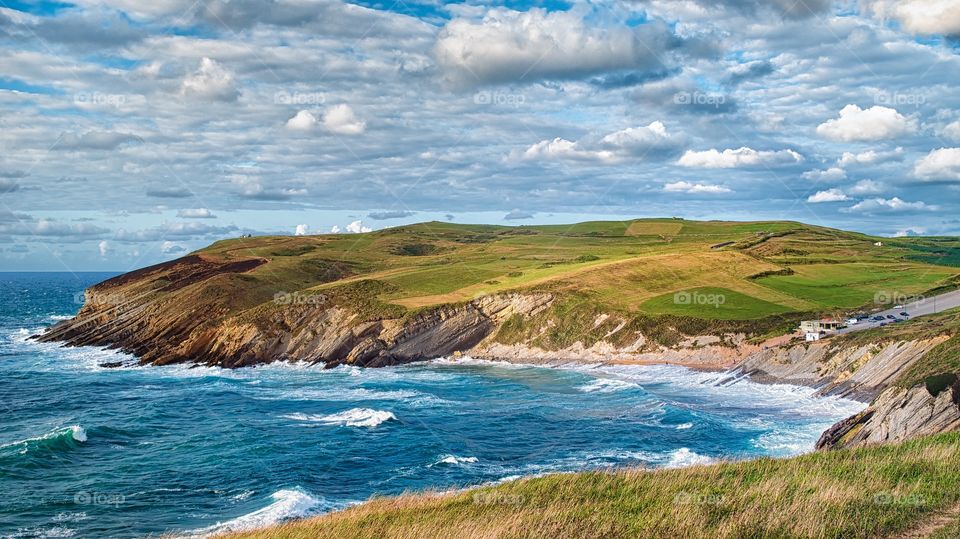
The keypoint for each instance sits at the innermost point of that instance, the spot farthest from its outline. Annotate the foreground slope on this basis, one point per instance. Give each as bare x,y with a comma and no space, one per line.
640,288
881,491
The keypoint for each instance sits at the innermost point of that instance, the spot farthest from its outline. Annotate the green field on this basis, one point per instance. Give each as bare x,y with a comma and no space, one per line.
879,491
630,267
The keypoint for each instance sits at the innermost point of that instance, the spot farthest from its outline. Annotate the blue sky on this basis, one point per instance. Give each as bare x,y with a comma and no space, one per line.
132,132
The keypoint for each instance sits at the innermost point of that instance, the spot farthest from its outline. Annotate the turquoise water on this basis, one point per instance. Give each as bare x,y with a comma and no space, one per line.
87,451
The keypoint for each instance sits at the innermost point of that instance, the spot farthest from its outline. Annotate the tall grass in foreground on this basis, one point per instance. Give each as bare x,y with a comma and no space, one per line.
867,492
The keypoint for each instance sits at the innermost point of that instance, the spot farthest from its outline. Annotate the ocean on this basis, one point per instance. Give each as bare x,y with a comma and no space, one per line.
89,451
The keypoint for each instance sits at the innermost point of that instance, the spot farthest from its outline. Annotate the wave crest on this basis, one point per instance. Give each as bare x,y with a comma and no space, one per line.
354,417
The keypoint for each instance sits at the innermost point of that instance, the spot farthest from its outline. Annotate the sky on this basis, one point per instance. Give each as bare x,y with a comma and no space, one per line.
133,132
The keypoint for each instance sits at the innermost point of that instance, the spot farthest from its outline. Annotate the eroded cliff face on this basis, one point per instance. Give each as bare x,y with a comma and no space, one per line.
867,373
898,414
197,310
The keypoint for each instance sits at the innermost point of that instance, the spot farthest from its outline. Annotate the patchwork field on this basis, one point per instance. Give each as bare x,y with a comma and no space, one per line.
759,268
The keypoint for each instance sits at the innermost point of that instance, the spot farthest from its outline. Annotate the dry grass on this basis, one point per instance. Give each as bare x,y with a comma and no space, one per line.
866,492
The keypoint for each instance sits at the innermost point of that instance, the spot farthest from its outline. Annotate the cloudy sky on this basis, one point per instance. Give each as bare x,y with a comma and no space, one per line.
133,131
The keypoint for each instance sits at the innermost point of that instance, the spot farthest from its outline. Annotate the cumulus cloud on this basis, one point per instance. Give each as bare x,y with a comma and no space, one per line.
870,157
951,131
695,188
357,227
830,195
210,81
741,157
303,121
919,16
169,248
940,164
831,174
531,45
103,247
892,205
302,230
653,138
341,119
856,124
648,141
559,148
867,187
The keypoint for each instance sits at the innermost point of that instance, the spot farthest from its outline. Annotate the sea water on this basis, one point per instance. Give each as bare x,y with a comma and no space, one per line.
90,451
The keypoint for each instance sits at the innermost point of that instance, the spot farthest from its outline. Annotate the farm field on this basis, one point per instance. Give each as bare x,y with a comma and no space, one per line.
760,268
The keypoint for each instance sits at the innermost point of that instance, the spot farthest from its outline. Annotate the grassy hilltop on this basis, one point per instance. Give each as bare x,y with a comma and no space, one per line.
761,269
880,491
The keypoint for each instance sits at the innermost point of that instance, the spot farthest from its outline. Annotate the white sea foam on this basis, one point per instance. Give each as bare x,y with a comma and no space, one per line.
59,317
286,505
75,433
683,457
354,417
607,385
683,426
453,459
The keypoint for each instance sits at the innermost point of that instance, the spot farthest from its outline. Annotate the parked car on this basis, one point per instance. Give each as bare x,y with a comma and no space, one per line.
904,314
891,317
877,318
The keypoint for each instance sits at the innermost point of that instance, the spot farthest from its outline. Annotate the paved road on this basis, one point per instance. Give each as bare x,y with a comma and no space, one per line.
931,305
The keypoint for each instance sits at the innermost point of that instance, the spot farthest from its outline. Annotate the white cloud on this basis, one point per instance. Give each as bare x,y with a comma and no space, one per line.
341,119
509,45
335,229
196,213
170,247
951,131
301,230
940,164
869,157
875,123
830,195
832,174
867,187
693,188
559,148
919,16
103,247
741,157
892,205
642,140
357,227
302,121
210,81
